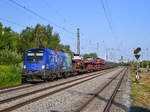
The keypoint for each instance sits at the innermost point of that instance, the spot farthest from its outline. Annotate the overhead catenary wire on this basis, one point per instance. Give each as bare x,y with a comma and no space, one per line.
41,17
62,16
108,10
109,16
46,3
106,16
58,13
22,5
29,10
11,22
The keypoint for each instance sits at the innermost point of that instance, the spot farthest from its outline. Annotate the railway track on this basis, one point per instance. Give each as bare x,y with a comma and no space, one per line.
67,84
110,101
23,86
10,87
28,85
16,87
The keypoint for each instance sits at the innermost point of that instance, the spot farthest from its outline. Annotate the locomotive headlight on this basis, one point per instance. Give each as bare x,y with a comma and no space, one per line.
43,66
24,66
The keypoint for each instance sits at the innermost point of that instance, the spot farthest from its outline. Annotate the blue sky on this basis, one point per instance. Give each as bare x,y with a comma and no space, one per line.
129,18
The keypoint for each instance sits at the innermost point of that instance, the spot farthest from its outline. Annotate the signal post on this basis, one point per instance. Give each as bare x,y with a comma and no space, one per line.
137,56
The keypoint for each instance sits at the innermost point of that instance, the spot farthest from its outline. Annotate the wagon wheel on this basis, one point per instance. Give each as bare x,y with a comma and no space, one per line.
64,75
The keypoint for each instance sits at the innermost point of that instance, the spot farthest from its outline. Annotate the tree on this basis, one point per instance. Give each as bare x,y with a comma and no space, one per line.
41,36
90,54
8,38
30,37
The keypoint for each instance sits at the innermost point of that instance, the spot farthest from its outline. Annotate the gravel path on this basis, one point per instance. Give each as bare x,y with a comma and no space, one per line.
68,100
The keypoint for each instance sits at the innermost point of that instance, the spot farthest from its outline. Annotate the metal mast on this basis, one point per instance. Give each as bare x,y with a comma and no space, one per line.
97,48
106,54
147,58
78,41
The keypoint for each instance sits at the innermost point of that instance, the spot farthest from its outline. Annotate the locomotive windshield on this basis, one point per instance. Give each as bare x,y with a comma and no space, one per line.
35,56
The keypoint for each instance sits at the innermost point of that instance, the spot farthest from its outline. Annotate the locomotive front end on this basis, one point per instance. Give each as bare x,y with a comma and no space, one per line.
34,65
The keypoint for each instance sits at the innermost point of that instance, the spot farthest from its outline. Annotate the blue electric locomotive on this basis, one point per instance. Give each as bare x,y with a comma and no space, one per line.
45,64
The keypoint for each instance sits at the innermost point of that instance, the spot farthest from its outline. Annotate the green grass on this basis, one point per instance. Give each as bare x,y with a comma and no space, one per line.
9,75
140,92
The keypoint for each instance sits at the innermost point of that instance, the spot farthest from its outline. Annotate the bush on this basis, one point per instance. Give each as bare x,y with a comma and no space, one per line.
8,57
10,75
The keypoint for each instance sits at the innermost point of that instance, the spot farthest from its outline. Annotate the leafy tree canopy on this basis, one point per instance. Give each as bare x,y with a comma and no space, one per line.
30,37
90,54
41,36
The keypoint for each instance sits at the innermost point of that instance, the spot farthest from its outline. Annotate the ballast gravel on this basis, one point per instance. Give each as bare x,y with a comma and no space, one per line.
20,100
11,88
66,101
99,103
123,96
38,86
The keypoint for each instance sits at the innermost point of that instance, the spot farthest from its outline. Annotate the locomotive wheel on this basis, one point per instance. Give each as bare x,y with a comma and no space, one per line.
64,75
23,80
51,78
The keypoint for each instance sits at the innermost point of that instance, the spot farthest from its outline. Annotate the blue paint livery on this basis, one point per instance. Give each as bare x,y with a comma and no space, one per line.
51,60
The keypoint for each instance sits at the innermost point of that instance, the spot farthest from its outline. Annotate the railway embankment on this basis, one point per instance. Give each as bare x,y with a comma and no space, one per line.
140,92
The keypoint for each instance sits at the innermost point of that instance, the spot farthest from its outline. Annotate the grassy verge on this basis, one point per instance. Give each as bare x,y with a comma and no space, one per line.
9,75
140,92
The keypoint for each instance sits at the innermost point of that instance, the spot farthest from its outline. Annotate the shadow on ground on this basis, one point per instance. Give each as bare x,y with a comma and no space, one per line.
123,107
53,111
138,109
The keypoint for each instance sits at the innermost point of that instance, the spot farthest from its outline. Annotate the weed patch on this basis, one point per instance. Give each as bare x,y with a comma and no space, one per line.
9,75
140,91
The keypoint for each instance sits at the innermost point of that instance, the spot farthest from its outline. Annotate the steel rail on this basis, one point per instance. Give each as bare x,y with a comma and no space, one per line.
50,87
110,101
19,88
10,86
97,93
48,94
14,89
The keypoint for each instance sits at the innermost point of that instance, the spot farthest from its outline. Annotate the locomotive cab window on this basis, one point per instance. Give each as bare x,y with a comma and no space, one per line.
35,56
